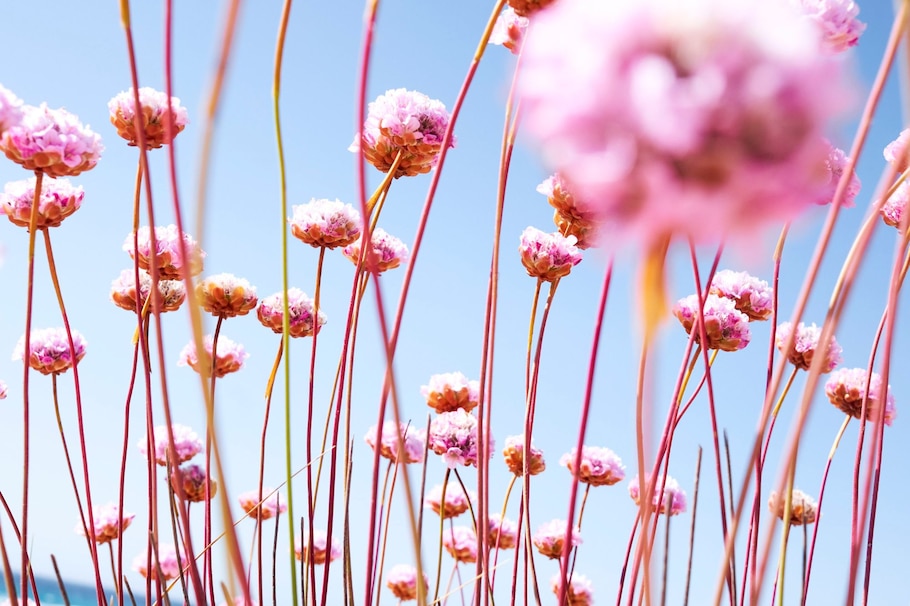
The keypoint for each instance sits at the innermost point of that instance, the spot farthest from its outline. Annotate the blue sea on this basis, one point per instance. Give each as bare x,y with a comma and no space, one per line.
79,594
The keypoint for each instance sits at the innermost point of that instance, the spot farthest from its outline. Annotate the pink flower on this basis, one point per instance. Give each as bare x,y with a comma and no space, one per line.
578,591
836,164
194,482
226,295
805,344
403,121
726,327
514,453
325,223
896,151
169,560
509,30
402,580
270,506
502,532
456,501
156,116
10,109
893,209
3,389
548,257
59,199
387,252
751,296
836,20
846,389
107,520
803,508
599,466
528,7
304,320
550,539
701,118
573,217
171,293
53,141
414,441
454,436
169,253
672,499
451,391
49,350
321,551
186,444
461,543
229,357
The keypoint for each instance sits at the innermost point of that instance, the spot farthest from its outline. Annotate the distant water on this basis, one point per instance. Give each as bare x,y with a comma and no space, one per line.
79,594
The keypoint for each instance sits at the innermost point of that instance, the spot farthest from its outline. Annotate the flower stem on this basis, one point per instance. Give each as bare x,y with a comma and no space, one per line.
442,521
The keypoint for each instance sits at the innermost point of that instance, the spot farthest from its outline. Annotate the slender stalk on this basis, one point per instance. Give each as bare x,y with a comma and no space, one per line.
311,506
692,528
265,426
89,536
442,505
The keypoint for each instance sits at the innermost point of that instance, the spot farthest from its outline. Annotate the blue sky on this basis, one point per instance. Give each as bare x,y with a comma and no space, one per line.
73,55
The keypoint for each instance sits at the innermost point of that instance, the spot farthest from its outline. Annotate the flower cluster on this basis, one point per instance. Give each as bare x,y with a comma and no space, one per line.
10,109
846,389
572,216
186,444
514,453
726,327
550,539
108,523
836,20
669,501
805,344
386,252
599,466
168,252
166,559
58,200
456,501
195,483
750,295
52,141
304,319
159,116
835,165
509,30
454,436
578,590
525,8
414,441
896,151
451,391
226,295
325,223
461,543
548,257
803,508
229,357
171,293
402,581
269,506
49,350
501,533
893,209
321,550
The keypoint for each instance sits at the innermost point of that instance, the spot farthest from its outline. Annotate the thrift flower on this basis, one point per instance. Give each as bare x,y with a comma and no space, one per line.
572,217
846,389
454,436
171,293
53,141
578,590
514,452
893,209
836,20
386,252
49,350
451,391
835,165
10,109
509,30
3,390
321,551
325,223
229,357
169,253
671,500
304,320
186,444
226,295
402,581
896,151
169,560
271,504
194,481
456,501
59,199
414,441
548,257
803,508
157,116
107,523
502,532
550,539
726,327
407,122
752,296
805,344
461,543
599,466
525,8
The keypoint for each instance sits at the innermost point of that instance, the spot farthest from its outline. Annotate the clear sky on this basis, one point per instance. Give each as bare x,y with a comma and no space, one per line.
73,55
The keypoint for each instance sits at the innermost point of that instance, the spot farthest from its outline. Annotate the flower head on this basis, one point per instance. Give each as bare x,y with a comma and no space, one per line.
304,319
158,113
454,436
226,295
528,7
599,466
321,549
108,522
456,501
414,441
402,581
804,345
49,350
450,391
270,505
59,199
573,217
835,165
10,109
546,256
896,151
752,296
671,500
726,327
836,20
171,293
509,30
803,508
550,539
514,453
165,558
578,590
387,252
325,223
52,141
186,444
406,122
3,389
229,357
195,482
846,389
168,252
893,209
502,532
461,543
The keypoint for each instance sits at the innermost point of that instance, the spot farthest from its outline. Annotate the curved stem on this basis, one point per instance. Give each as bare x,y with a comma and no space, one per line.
311,506
265,426
209,432
442,527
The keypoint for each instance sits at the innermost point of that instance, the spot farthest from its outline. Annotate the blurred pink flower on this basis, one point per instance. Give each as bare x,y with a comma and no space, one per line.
325,223
107,523
548,257
414,441
156,114
456,501
169,252
461,543
502,533
846,389
896,151
228,359
269,508
805,344
194,482
301,308
599,466
509,30
514,451
3,389
402,581
169,560
186,444
52,141
835,165
387,252
550,539
671,500
893,209
49,350
726,327
59,199
454,436
751,296
226,295
836,20
451,391
10,109
803,508
578,591
321,552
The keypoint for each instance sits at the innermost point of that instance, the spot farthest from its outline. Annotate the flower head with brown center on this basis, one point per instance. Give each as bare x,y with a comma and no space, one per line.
52,141
159,117
325,223
226,295
304,318
59,199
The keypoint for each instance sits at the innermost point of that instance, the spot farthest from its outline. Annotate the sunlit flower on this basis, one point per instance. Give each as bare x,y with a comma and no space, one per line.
546,256
226,295
509,30
528,7
846,389
751,296
406,122
414,441
586,233
194,481
169,561
229,357
321,551
836,20
456,501
893,209
835,165
514,452
52,141
726,327
156,116
461,543
454,436
186,444
49,350
502,532
402,581
271,504
896,151
450,391
573,217
671,500
599,466
803,508
804,345
169,253
578,590
550,539
59,199
325,223
302,310
387,252
107,520
10,109
171,293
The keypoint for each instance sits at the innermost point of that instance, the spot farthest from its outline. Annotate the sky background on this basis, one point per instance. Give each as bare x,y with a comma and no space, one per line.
74,55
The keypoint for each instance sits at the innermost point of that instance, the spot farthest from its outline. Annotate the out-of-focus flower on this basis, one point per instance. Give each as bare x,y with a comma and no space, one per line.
387,252
751,296
726,327
835,165
893,209
49,350
456,501
52,141
896,151
186,444
169,254
550,539
229,357
3,389
107,520
321,550
672,500
406,122
450,391
836,20
528,7
325,223
171,293
156,117
271,505
454,436
509,30
804,345
846,389
59,199
226,295
599,466
304,319
502,532
194,481
169,561
402,581
578,591
414,441
10,109
461,543
514,452
546,256
803,508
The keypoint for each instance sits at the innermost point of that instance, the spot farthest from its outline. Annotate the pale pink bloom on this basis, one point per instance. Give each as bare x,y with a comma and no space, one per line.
454,436
169,560
195,483
226,295
321,551
578,590
52,141
407,122
805,344
49,350
325,223
835,165
387,252
803,508
702,118
59,199
10,109
171,293
229,357
846,389
461,543
751,295
3,389
893,209
896,151
271,504
573,217
550,539
509,30
502,533
169,253
450,391
456,501
526,8
671,500
156,116
836,20
726,327
107,520
599,466
186,444
414,441
514,453
402,581
304,320
548,257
